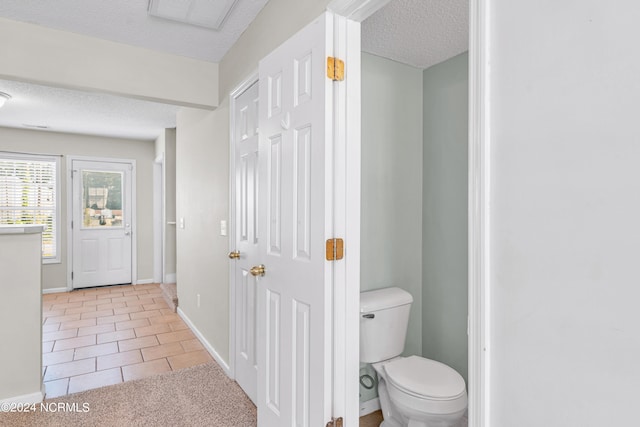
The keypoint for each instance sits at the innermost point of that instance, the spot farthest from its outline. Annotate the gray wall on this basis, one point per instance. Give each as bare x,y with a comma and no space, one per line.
29,141
414,198
444,237
391,227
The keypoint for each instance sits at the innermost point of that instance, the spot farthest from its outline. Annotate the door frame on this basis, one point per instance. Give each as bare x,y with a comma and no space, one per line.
69,213
346,298
478,216
347,130
232,226
158,220
479,253
478,195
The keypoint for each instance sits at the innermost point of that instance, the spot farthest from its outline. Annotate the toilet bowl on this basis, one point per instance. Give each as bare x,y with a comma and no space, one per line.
421,392
413,391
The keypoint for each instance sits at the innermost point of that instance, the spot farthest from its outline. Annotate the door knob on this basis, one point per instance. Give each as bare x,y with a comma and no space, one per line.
257,270
234,254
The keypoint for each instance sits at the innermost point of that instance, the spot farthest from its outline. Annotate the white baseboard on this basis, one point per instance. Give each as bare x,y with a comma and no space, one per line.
369,406
144,282
170,278
55,290
30,398
205,343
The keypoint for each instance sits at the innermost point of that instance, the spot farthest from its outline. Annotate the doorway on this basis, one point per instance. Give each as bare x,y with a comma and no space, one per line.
244,235
306,315
102,222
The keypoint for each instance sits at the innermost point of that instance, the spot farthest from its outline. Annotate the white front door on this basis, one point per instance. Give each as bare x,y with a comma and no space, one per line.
245,152
296,217
101,225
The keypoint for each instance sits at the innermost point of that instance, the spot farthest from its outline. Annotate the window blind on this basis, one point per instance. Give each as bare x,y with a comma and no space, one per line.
28,196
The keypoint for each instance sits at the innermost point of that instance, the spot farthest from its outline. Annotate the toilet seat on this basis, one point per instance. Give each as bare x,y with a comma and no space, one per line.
425,378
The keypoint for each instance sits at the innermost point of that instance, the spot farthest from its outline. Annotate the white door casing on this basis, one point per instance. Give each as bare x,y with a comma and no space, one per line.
479,299
296,199
245,236
102,238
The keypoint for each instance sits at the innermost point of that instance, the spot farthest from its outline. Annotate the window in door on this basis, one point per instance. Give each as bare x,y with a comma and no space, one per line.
101,199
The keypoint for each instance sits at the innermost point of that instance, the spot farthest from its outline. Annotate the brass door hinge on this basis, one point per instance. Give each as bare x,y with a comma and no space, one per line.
335,69
335,249
335,422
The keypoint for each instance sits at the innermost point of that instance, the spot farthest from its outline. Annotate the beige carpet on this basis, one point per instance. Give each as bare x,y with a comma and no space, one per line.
170,294
199,396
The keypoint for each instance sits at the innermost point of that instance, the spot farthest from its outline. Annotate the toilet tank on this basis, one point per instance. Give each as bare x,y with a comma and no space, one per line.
384,317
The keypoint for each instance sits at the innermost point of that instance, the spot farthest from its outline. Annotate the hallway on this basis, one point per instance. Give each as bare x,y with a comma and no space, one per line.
96,337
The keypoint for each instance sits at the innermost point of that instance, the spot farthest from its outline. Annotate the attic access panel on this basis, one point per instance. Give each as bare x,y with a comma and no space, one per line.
203,13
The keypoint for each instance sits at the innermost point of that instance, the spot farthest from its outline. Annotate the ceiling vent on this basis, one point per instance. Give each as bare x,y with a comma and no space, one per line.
203,13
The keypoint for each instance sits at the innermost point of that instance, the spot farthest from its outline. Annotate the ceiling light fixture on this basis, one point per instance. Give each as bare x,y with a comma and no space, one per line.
203,13
4,97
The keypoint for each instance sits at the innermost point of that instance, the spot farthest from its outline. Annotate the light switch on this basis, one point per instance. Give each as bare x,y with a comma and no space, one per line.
182,222
223,228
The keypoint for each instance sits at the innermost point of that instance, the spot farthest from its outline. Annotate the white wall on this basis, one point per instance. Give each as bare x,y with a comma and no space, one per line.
170,204
564,280
36,54
276,22
202,199
202,174
37,142
21,316
391,224
165,147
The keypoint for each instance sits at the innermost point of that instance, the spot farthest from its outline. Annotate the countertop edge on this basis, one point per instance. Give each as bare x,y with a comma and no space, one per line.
21,229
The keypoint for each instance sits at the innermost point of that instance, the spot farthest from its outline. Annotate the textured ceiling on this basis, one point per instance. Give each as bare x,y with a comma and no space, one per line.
124,21
62,110
415,32
421,33
127,21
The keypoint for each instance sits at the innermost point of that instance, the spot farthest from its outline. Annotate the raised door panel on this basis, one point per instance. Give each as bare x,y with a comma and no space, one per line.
302,193
101,236
246,237
294,305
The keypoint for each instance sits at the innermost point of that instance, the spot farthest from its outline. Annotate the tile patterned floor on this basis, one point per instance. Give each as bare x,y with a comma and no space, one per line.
103,336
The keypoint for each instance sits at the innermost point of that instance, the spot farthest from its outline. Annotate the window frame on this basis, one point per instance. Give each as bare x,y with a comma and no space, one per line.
57,198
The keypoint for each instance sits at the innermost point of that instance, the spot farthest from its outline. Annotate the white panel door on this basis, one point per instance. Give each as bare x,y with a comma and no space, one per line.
101,227
294,295
246,237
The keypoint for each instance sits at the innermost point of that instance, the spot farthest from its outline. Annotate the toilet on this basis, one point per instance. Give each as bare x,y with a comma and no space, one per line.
413,391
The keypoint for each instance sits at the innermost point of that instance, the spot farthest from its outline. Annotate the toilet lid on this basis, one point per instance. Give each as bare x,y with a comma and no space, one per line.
426,378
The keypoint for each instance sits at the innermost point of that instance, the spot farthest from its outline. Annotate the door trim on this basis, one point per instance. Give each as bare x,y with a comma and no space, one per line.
232,227
69,213
158,219
478,194
479,218
347,219
347,127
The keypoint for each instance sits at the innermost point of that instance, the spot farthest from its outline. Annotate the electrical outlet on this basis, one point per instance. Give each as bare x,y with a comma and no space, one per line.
198,300
182,222
223,228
